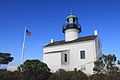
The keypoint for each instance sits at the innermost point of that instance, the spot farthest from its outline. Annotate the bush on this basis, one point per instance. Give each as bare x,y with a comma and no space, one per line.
68,75
7,75
98,77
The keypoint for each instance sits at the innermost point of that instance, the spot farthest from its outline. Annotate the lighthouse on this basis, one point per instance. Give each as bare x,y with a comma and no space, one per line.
74,51
72,28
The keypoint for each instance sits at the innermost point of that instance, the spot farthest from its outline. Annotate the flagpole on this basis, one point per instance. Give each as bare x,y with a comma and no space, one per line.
23,46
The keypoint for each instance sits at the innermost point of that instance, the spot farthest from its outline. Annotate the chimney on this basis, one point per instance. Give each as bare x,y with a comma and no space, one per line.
95,32
51,40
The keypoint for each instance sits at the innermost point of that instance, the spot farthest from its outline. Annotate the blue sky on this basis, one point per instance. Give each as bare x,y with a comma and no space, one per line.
47,17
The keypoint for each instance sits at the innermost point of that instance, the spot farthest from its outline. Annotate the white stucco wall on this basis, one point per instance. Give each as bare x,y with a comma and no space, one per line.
53,60
71,34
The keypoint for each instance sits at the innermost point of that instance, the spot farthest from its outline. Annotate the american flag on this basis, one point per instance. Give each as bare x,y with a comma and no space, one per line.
28,33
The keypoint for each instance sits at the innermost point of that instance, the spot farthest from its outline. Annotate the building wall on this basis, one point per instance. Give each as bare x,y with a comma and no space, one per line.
53,58
71,34
98,47
53,61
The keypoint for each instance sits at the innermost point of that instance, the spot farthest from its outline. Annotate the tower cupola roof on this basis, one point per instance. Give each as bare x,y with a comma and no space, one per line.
71,16
71,23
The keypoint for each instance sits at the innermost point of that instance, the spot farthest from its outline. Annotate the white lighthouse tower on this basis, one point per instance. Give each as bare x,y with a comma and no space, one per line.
71,29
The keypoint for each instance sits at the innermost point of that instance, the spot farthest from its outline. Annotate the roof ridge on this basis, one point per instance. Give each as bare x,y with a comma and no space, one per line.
83,38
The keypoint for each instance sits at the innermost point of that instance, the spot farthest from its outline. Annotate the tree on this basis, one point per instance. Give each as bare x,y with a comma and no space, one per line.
34,70
106,64
5,58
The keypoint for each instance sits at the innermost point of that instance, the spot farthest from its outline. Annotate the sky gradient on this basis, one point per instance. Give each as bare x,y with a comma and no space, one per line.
46,19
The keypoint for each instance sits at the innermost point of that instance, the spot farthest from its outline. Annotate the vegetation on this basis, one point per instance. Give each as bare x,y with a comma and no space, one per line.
68,75
34,70
7,75
106,64
105,69
5,58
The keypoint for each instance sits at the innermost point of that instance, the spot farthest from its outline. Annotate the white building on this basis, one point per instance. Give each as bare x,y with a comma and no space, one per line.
75,52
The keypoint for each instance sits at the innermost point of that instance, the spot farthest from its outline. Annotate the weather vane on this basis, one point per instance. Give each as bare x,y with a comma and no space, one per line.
71,12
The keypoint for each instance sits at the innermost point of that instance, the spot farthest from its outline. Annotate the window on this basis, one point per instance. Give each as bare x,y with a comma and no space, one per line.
82,54
65,57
